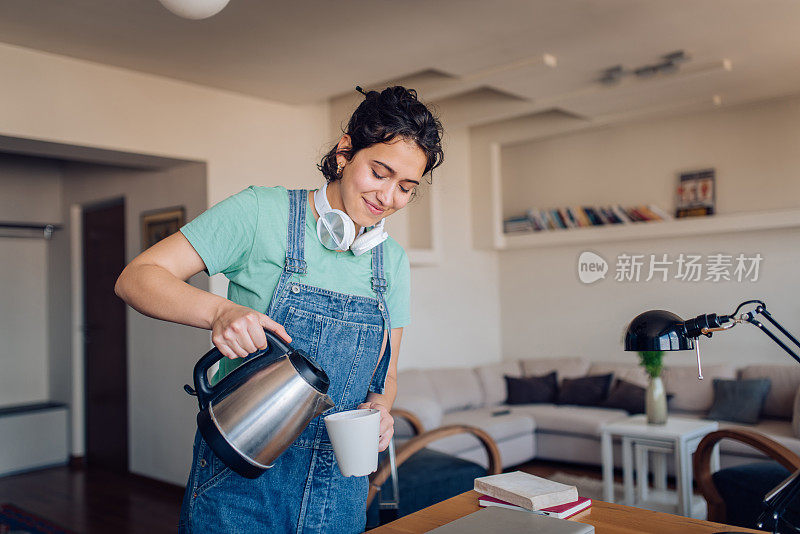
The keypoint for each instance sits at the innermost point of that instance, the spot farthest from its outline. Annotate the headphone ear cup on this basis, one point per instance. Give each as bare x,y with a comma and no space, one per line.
368,240
335,230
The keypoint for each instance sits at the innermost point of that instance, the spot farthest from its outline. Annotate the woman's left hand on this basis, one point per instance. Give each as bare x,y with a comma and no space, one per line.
387,423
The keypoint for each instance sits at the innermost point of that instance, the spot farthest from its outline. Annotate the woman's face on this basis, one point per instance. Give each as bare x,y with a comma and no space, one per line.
380,179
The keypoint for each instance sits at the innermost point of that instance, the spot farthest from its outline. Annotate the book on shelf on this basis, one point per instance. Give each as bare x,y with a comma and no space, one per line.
560,223
562,511
539,220
517,224
621,214
583,220
526,490
592,216
661,213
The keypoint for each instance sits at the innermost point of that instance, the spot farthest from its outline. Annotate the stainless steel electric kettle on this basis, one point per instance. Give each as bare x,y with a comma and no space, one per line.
253,414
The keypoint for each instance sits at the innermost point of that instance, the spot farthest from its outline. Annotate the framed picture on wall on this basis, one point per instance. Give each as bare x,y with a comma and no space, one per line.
158,224
696,194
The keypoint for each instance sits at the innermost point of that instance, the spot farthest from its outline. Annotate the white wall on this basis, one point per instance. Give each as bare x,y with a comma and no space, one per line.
30,192
242,140
547,311
454,305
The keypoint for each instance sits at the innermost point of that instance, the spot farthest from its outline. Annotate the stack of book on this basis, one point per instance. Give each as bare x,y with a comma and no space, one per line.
537,220
522,491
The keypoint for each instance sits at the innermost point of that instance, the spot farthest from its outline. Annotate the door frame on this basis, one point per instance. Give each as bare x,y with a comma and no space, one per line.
78,408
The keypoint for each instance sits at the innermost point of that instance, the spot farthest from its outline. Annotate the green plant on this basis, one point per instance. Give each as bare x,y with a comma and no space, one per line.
652,361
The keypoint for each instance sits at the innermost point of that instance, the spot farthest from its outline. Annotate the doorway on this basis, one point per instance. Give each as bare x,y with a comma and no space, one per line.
105,339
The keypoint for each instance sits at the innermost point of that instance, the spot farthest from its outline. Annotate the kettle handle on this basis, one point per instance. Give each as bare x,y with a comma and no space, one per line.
204,390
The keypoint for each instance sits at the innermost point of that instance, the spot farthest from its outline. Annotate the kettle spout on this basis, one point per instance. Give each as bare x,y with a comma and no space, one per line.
324,403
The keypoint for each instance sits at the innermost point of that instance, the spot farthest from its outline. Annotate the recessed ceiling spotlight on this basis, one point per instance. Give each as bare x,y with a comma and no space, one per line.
612,75
646,71
717,100
679,56
195,9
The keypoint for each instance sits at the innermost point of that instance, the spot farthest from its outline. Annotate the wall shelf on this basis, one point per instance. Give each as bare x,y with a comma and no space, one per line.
692,226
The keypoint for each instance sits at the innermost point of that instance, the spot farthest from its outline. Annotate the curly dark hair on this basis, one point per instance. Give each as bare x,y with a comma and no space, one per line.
394,112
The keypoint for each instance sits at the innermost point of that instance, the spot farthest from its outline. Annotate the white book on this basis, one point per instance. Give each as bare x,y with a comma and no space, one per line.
619,212
658,211
525,490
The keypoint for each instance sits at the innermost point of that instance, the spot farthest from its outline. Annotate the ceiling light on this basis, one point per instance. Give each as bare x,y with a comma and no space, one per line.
195,9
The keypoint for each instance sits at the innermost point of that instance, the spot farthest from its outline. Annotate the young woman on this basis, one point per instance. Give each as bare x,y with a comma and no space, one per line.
346,308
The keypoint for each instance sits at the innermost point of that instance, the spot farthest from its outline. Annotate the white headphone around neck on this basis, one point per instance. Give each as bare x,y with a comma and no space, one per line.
336,231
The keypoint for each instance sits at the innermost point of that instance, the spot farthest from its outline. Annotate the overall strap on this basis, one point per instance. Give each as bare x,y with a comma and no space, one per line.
379,286
296,234
295,244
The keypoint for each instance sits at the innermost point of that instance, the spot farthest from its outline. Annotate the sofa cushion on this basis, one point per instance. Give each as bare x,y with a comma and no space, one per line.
565,367
580,420
585,390
785,380
532,389
428,411
415,383
456,388
492,381
691,394
740,401
629,372
627,396
499,427
775,429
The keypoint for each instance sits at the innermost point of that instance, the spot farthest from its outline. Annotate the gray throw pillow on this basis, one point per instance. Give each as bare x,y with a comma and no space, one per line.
739,401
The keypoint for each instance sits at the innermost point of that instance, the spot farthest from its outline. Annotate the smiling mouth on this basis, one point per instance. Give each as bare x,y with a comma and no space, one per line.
373,208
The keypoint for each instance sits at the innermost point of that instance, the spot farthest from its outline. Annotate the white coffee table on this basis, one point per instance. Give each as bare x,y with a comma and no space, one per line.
678,437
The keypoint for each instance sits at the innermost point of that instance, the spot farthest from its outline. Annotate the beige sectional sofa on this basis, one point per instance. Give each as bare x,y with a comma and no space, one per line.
476,396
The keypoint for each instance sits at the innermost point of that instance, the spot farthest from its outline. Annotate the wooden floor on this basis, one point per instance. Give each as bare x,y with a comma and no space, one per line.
94,501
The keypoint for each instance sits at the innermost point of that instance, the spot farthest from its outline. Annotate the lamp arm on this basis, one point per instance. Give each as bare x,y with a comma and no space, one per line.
762,309
776,501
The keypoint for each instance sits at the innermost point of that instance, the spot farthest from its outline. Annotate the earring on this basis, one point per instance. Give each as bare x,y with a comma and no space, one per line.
339,170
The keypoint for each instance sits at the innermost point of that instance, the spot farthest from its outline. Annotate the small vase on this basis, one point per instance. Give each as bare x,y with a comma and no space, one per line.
655,403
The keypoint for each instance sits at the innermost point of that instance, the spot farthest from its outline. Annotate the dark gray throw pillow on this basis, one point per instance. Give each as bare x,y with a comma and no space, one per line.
531,389
628,396
739,401
585,391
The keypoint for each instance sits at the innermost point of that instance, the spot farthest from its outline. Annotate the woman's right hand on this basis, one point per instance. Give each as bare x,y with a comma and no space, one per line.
238,331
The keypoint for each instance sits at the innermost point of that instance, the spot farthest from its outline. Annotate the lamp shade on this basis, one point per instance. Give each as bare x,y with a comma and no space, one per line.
195,9
657,330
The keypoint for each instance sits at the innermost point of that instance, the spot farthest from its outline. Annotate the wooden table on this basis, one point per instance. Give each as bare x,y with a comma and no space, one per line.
607,518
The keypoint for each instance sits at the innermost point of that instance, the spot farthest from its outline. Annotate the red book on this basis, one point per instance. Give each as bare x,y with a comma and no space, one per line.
561,511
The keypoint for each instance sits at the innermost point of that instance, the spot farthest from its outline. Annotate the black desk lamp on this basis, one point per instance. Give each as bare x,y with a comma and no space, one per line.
662,330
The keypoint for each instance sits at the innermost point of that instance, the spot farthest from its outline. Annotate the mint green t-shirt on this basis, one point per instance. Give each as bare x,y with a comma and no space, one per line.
244,237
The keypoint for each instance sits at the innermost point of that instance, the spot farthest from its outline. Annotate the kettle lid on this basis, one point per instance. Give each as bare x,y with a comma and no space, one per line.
311,372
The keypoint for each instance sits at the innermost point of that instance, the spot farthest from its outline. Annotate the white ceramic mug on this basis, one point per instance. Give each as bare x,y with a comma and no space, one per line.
354,435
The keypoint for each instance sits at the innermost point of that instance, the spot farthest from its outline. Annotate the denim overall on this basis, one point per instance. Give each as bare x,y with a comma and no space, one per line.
303,492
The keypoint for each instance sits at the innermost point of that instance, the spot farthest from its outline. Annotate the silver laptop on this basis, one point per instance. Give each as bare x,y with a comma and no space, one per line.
496,519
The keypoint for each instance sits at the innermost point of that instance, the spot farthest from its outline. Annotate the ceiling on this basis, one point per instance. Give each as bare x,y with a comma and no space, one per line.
463,53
